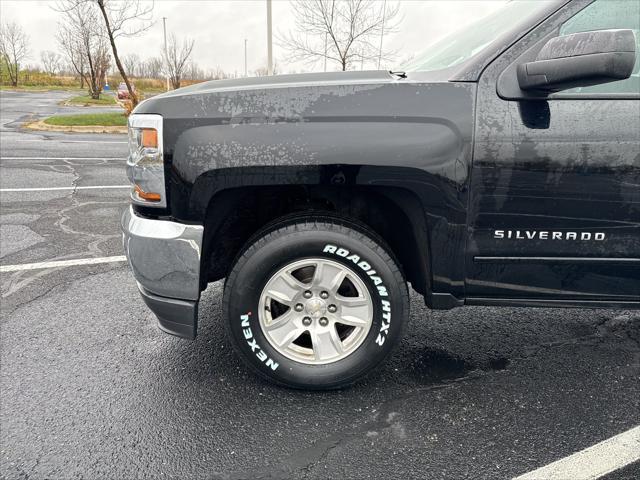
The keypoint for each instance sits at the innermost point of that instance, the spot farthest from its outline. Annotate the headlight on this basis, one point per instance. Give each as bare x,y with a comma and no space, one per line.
145,166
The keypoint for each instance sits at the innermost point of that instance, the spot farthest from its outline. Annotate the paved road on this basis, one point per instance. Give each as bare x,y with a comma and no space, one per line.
90,388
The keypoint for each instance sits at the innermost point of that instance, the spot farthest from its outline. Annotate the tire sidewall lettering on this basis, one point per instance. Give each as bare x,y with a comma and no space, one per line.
291,243
383,293
252,342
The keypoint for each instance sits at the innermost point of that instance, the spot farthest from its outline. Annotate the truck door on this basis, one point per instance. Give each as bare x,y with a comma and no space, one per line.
554,213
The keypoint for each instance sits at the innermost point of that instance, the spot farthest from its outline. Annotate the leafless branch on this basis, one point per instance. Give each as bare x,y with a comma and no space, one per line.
342,31
128,18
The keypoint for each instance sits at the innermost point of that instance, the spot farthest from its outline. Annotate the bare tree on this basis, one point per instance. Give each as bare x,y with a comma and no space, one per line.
125,18
151,68
86,49
132,64
73,51
343,31
51,62
14,48
264,71
194,72
217,74
120,18
176,59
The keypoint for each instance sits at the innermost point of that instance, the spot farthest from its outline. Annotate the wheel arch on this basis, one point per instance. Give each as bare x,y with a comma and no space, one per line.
253,198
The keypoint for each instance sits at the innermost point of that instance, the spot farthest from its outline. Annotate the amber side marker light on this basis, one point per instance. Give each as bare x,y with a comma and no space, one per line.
149,138
148,196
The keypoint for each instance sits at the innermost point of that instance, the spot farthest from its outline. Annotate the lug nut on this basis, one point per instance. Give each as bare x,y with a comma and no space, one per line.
306,321
332,309
307,294
324,295
323,321
299,307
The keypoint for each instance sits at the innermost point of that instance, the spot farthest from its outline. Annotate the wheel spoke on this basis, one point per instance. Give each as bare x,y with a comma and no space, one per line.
315,309
328,276
354,311
284,330
326,344
284,288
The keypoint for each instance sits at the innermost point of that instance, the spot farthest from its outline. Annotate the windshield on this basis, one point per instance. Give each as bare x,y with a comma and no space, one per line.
463,44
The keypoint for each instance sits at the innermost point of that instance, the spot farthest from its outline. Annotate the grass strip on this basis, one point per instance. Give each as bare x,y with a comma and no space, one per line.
110,119
87,100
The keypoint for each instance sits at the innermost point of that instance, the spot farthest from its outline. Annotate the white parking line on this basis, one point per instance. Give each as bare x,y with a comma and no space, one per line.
35,140
61,263
89,141
46,189
593,462
63,158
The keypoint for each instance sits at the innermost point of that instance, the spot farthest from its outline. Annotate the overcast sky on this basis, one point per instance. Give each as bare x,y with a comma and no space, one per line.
219,28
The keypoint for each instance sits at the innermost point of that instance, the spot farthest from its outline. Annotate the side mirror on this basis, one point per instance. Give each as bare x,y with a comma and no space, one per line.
580,60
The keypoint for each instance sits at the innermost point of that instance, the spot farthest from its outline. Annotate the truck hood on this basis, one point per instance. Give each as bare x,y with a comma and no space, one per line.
284,93
283,81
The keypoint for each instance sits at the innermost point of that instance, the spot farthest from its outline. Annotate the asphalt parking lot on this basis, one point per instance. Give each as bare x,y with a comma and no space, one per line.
90,388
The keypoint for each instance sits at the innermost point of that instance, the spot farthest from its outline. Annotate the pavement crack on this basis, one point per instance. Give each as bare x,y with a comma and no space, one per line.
602,329
325,454
386,416
31,300
39,296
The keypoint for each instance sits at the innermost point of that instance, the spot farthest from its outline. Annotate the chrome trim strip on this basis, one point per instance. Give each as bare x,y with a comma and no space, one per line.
164,256
608,302
575,260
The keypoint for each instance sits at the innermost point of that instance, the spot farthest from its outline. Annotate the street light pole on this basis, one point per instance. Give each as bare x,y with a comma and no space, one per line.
166,57
245,57
269,47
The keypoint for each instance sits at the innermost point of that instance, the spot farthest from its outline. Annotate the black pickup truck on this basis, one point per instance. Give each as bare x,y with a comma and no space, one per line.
502,167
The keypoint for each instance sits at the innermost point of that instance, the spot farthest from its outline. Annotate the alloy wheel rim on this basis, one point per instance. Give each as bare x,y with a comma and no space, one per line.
315,311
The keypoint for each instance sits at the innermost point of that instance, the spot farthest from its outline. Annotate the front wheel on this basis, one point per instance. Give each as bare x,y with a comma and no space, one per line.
315,304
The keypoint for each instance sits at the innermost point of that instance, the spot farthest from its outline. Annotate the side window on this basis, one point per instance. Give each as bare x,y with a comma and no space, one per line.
605,15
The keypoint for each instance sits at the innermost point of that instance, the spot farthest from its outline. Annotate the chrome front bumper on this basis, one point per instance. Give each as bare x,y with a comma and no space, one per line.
165,259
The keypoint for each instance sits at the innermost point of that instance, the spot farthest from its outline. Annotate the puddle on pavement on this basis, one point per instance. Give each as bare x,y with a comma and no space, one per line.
437,365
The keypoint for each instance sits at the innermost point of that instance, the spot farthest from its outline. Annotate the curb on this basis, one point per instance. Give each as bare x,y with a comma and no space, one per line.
67,103
40,125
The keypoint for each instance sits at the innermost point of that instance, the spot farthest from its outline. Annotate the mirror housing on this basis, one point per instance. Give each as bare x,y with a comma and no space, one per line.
580,60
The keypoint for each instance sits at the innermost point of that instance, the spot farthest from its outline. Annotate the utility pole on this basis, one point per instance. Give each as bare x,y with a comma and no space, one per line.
166,57
245,57
384,14
269,47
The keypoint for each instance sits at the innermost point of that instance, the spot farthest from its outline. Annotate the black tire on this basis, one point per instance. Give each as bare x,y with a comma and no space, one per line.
296,239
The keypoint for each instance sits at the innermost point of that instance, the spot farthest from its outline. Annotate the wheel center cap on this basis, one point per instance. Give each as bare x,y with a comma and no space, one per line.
315,307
